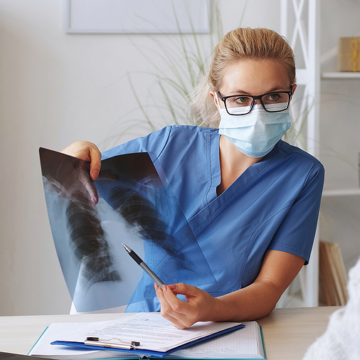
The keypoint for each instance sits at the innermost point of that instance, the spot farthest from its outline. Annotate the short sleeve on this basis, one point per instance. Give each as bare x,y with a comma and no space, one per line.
154,144
297,230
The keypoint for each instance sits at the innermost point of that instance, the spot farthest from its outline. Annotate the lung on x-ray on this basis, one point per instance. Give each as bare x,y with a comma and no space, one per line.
129,203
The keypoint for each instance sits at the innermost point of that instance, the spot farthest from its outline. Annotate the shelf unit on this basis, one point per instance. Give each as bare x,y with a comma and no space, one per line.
306,39
308,77
341,192
340,75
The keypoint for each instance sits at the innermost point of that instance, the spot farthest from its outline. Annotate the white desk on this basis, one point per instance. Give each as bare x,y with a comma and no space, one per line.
287,332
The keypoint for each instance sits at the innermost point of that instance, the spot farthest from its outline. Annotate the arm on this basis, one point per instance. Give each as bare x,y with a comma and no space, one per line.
250,303
287,252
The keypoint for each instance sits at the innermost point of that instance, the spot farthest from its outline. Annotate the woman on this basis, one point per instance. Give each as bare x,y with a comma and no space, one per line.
251,200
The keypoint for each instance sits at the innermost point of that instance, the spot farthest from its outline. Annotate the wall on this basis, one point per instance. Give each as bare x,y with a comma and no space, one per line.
55,89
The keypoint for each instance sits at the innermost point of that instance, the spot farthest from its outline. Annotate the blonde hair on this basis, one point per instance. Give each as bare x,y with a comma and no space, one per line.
242,43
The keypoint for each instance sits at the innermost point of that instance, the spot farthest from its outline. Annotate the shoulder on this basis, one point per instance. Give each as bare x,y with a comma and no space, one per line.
299,156
186,130
301,166
157,142
189,141
181,136
152,143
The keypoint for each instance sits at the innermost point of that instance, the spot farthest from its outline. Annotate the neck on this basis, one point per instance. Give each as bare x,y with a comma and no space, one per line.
232,163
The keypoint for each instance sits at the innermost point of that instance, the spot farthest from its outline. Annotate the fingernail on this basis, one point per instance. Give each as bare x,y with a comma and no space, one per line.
164,287
94,174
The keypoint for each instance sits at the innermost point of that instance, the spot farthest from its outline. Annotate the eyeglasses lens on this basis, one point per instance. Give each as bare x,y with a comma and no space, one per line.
273,102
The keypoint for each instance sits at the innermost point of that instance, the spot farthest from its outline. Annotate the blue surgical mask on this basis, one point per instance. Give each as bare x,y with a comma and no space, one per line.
255,134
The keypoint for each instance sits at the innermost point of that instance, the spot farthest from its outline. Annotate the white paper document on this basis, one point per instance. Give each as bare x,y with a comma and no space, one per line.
153,332
239,344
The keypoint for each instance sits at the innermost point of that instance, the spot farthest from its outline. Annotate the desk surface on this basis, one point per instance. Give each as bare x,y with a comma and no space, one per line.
287,332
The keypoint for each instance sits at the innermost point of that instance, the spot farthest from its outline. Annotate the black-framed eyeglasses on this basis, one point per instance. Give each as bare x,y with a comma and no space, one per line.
238,105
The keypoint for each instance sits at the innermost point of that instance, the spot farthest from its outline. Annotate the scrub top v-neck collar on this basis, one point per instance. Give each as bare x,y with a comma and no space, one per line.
212,202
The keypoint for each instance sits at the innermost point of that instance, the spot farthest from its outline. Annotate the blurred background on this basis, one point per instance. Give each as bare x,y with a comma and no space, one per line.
57,87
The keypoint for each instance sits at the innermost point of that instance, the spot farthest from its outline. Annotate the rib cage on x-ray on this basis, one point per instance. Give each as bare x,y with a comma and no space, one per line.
88,238
140,212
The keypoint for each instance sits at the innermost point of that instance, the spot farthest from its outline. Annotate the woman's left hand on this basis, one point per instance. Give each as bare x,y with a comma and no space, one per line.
199,304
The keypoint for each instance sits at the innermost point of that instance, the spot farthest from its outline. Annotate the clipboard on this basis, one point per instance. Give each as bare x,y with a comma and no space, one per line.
145,351
226,341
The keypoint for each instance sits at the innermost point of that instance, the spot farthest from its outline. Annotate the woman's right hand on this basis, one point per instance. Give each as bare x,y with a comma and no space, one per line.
89,152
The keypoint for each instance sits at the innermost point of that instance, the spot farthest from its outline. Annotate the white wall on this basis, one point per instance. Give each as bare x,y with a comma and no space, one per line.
55,89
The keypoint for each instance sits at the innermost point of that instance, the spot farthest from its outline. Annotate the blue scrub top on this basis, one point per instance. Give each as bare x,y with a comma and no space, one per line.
273,205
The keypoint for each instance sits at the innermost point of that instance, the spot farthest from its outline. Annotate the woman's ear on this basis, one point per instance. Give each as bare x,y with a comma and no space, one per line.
215,97
294,86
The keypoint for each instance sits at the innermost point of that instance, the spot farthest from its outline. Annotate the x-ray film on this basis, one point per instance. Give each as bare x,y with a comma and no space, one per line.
129,203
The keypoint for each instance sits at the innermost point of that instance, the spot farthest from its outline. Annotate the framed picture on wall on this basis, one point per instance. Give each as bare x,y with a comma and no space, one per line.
137,16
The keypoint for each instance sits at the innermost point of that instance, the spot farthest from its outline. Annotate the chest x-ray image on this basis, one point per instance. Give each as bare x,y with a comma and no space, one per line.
135,207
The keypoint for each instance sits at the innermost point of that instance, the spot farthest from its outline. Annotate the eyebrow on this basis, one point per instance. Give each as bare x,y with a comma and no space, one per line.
274,89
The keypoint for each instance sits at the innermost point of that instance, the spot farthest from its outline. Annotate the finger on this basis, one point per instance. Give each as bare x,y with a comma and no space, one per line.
166,310
79,149
184,289
86,151
95,162
177,305
160,295
178,324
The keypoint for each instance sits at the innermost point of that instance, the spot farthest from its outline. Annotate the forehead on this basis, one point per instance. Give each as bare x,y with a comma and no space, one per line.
254,77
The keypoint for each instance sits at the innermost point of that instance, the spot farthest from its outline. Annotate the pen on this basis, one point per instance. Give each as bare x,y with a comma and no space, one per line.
143,265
